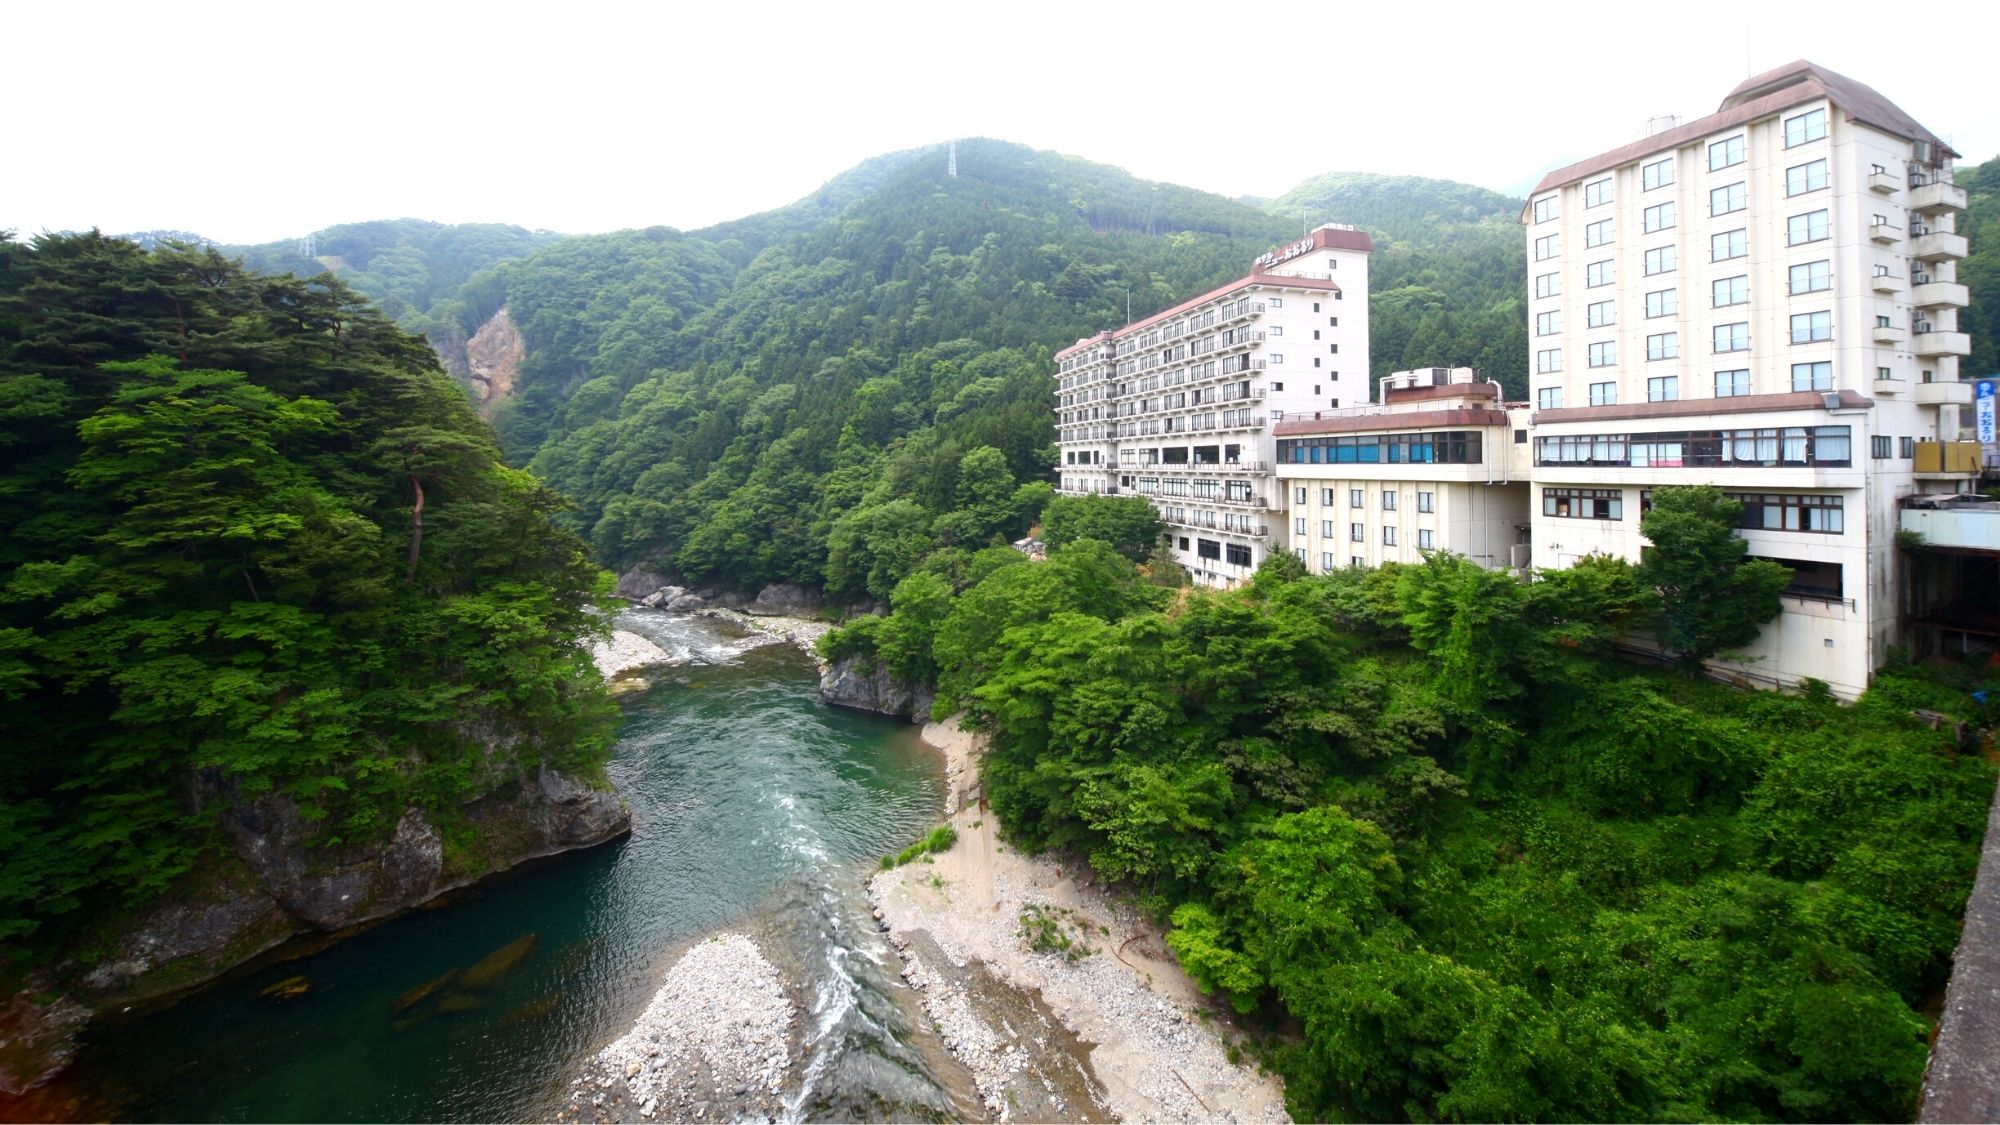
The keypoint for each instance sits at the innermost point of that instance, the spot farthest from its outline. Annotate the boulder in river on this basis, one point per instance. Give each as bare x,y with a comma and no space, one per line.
638,582
783,599
687,602
291,988
422,992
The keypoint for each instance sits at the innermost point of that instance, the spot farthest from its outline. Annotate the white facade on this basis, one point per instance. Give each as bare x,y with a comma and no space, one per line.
1179,407
1764,300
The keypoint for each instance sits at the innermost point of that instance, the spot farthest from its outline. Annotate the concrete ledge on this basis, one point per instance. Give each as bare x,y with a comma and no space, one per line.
1963,1081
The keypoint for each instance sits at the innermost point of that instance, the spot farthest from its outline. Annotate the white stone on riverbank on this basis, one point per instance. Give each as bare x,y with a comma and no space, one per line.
624,652
1160,1053
714,1044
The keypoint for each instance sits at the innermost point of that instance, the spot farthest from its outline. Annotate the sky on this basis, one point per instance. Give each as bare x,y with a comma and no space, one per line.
259,121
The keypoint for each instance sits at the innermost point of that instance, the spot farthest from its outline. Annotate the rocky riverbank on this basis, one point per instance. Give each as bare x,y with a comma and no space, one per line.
625,652
716,1044
981,913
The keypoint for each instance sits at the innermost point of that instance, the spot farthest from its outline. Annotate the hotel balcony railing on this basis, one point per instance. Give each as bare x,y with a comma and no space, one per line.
1198,467
1940,294
1939,196
1243,340
1966,525
1242,310
1885,233
1933,342
1884,182
1937,244
1947,458
1948,392
1887,283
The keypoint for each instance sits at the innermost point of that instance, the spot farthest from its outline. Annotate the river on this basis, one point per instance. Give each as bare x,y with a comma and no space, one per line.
756,807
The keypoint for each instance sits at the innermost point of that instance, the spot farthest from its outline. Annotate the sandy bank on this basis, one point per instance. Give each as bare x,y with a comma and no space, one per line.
1155,1052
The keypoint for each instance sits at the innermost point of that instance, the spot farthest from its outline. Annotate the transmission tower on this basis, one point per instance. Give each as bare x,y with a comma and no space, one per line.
951,162
309,246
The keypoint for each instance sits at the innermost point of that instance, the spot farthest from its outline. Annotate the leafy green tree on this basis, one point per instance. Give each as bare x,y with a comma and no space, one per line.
1712,598
1130,524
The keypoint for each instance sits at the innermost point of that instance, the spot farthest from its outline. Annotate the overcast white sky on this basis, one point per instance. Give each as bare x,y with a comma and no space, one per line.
258,121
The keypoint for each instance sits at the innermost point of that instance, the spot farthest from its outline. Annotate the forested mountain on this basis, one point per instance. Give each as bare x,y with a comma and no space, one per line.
1449,275
412,269
1980,271
263,568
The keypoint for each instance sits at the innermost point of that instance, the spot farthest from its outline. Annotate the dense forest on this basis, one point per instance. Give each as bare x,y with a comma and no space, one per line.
1459,862
258,545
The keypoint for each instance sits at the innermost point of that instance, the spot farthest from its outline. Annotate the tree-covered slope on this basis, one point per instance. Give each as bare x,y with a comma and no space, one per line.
855,365
258,549
1980,271
1448,278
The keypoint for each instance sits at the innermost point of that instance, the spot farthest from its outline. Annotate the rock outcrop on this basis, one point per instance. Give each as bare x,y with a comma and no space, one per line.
640,583
493,361
273,882
864,683
784,600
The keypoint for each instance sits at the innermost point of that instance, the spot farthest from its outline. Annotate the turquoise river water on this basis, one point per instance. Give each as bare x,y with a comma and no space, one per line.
756,807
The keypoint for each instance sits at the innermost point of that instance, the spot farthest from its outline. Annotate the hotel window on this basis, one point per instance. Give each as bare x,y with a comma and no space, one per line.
1729,244
1584,503
1548,323
1548,246
1326,529
1388,536
1728,198
1884,373
1765,512
1811,277
1600,273
1277,302
1812,376
1604,394
1299,525
1908,446
1663,388
1733,337
1659,173
1725,154
1601,313
1326,500
1277,358
1597,192
1732,291
1357,533
1662,260
1299,495
1662,302
1730,384
1598,233
1809,227
1356,561
1426,501
1658,217
1602,354
1802,178
1388,500
1547,360
1548,285
1880,447
1356,498
1809,126
1812,327
1239,555
1326,562
1277,330
1663,345
1545,209
1426,539
1549,398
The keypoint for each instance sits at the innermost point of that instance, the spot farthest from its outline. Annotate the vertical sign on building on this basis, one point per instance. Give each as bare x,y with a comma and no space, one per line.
1983,404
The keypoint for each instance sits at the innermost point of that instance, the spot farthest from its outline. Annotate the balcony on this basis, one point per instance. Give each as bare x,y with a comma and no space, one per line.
1892,386
1936,343
1884,233
1965,525
1888,283
1883,182
1940,294
1946,459
1937,244
1888,334
1937,197
1242,340
1947,393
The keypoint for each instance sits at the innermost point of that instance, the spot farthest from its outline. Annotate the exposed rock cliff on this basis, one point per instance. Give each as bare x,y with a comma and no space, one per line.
272,883
864,683
493,359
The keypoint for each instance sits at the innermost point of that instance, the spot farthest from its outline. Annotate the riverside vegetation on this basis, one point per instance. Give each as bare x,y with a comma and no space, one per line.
1459,862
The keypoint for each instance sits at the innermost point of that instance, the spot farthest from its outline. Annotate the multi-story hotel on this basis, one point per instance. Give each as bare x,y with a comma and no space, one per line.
1439,462
1763,299
1179,407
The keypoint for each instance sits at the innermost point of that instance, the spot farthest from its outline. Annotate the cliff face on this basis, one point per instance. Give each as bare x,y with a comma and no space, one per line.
493,360
862,682
272,884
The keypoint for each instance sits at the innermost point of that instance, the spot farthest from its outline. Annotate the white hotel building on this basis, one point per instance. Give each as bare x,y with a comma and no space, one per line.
1179,407
1763,299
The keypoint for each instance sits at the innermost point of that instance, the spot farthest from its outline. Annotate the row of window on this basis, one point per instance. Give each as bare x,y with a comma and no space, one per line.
1452,447
1767,447
1725,153
1814,376
1357,498
1762,511
1805,277
1237,554
1811,226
